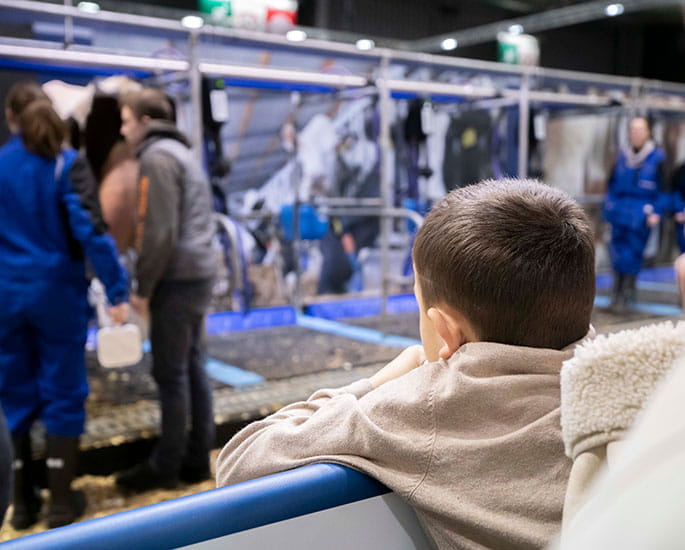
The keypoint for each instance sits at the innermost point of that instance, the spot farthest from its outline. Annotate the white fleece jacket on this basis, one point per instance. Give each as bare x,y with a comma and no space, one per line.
608,380
603,387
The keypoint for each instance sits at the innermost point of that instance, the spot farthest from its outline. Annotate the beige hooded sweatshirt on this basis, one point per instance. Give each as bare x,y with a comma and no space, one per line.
473,444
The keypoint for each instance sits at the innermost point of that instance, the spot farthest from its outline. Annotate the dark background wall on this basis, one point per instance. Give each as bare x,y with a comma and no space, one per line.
649,44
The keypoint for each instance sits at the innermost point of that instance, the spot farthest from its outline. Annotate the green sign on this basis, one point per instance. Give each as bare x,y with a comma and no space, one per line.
217,8
507,53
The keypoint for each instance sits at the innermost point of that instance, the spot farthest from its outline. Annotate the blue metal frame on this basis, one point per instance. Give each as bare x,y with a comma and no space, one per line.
212,514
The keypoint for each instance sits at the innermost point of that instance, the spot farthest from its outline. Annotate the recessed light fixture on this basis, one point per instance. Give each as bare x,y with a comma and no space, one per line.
365,44
516,29
614,9
192,22
296,35
89,7
449,44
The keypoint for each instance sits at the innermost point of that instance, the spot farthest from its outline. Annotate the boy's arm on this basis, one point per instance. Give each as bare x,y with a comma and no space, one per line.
385,432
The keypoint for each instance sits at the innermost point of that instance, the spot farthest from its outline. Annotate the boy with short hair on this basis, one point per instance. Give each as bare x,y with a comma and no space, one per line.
466,427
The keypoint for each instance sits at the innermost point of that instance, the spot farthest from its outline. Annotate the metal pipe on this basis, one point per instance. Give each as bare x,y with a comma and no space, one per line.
101,16
440,88
524,116
347,201
196,96
68,27
386,154
322,14
92,59
560,97
282,75
392,212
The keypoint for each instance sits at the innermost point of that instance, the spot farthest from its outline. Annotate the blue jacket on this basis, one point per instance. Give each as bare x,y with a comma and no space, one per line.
631,189
49,217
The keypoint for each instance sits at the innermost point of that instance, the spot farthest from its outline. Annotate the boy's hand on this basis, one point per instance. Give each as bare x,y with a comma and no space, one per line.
408,360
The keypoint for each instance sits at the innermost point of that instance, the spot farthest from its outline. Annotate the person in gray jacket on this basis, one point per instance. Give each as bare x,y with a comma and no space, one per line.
174,273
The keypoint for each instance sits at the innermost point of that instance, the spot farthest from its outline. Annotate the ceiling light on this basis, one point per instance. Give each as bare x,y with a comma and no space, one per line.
192,22
296,35
515,29
449,44
365,44
614,9
89,7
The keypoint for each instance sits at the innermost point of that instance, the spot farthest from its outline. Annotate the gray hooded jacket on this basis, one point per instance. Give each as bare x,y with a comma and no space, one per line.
175,228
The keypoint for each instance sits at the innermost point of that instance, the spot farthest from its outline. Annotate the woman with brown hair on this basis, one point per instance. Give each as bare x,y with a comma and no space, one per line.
49,223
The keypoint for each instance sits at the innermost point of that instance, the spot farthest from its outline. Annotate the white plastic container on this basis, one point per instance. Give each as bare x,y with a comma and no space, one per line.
119,346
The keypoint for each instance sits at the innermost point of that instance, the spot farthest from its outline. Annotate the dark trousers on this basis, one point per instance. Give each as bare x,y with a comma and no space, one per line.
177,311
5,466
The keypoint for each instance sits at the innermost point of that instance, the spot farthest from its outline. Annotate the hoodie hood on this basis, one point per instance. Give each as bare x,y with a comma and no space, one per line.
162,129
606,382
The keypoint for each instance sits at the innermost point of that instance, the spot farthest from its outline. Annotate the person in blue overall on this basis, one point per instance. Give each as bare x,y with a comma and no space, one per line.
49,224
678,208
633,206
678,205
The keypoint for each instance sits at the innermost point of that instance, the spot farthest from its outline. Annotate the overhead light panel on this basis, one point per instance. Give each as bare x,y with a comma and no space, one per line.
192,22
296,35
515,29
613,10
449,44
365,44
89,7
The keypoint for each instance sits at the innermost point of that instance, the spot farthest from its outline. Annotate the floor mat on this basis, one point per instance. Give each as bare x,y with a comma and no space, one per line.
280,352
399,324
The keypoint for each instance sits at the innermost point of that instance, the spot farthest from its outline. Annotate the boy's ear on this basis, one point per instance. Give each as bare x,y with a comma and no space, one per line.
449,328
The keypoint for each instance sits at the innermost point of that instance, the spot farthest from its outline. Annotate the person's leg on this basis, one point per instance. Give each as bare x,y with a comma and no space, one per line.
617,291
202,431
63,388
618,250
20,401
627,249
637,244
5,467
170,340
680,276
680,236
66,505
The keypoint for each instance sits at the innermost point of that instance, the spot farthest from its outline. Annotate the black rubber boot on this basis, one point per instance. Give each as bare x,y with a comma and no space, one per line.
629,291
144,477
26,496
66,505
617,293
195,474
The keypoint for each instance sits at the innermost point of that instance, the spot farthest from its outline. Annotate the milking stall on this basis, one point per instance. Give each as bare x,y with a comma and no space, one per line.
322,157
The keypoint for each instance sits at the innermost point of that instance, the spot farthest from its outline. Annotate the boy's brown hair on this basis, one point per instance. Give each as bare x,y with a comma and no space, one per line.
148,102
516,258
